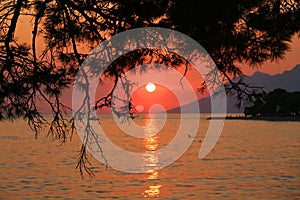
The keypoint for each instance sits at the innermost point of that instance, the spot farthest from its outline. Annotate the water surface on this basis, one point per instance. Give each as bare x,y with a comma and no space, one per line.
252,160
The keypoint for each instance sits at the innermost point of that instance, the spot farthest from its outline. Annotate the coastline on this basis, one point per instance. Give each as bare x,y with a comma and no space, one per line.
271,118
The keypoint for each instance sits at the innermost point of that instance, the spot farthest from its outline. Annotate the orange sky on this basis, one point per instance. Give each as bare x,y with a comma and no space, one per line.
291,59
146,99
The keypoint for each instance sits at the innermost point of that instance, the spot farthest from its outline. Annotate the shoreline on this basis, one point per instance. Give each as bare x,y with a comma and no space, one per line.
273,118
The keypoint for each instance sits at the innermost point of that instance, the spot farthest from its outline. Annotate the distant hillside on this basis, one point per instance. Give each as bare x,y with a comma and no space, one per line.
288,80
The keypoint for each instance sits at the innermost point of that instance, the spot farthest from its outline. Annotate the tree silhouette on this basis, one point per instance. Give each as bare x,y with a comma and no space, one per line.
278,102
248,32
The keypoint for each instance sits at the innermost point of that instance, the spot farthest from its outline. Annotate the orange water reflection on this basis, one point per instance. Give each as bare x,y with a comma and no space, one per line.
151,143
151,160
153,175
153,191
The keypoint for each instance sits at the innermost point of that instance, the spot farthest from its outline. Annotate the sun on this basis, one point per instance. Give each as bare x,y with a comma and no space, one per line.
150,87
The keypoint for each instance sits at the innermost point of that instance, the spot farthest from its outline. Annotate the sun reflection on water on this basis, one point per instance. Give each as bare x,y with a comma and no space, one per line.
153,191
151,160
151,143
153,175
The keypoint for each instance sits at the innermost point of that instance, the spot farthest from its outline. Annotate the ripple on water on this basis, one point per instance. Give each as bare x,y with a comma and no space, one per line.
255,164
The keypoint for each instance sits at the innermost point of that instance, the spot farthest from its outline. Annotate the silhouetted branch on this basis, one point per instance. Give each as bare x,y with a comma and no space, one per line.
247,32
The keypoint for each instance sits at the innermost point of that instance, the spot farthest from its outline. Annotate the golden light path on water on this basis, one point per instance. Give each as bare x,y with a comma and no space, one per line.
151,144
252,160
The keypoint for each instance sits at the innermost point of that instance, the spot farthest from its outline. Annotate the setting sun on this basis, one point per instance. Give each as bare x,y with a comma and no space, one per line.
150,87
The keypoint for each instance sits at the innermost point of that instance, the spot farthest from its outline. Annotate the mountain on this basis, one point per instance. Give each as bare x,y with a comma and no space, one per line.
288,80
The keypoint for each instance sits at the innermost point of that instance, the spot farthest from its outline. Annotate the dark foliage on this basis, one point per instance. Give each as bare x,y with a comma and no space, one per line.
243,31
276,103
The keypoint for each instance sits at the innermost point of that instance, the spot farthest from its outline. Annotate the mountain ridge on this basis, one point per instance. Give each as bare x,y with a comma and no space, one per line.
288,80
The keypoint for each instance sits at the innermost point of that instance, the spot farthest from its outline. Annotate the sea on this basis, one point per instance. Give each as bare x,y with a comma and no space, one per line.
252,159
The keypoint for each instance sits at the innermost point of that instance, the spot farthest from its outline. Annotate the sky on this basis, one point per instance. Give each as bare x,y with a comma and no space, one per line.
292,57
146,99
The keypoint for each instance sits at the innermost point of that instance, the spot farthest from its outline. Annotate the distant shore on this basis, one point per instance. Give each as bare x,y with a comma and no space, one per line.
242,117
